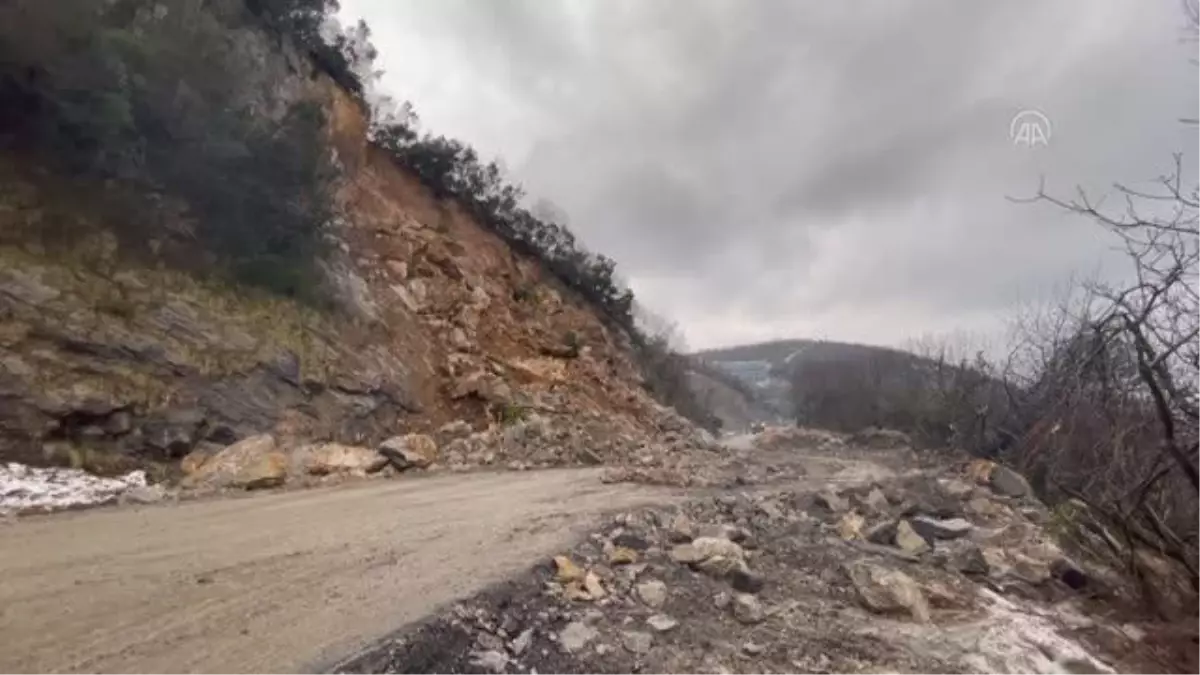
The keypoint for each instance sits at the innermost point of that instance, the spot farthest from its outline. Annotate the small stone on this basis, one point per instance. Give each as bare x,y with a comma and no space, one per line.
653,593
490,661
662,622
747,609
576,636
935,528
721,600
686,554
681,529
850,526
636,641
591,584
602,649
720,566
753,648
1007,482
908,540
708,547
621,555
566,570
521,642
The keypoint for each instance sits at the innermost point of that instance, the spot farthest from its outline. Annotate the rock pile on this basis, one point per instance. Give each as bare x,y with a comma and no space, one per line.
261,462
774,580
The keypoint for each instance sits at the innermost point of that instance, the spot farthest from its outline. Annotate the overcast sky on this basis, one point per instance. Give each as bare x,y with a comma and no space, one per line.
839,169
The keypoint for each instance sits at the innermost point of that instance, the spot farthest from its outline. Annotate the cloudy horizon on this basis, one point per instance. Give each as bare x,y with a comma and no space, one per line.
768,170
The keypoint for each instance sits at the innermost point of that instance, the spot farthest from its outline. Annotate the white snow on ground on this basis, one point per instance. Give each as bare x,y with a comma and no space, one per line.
1025,638
25,488
1013,637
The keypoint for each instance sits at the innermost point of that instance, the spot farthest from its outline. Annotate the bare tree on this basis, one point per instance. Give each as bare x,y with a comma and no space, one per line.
1119,374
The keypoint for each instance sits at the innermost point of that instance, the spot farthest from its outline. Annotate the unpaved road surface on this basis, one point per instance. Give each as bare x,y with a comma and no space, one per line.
275,582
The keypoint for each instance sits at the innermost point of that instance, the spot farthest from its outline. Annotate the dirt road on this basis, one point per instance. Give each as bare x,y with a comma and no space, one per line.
276,582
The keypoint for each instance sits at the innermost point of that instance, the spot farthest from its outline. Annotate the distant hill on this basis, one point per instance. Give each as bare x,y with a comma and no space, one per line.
782,353
735,402
832,384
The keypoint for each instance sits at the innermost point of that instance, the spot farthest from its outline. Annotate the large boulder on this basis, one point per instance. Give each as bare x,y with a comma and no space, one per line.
335,458
412,450
886,591
252,463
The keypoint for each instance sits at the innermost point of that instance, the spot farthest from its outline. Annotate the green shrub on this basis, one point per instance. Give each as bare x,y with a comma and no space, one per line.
152,96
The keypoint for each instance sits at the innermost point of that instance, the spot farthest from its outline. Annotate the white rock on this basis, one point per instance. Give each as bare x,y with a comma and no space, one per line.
576,636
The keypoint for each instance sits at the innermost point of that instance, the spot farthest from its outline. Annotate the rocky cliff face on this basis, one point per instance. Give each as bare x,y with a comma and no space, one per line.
112,361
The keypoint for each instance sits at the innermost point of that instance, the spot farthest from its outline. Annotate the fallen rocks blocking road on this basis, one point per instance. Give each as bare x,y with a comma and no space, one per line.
773,580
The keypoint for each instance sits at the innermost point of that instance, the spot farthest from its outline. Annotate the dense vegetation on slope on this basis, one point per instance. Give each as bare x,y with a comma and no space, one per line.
90,90
166,102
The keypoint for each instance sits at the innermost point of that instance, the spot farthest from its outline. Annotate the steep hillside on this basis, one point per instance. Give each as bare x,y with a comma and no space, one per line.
119,350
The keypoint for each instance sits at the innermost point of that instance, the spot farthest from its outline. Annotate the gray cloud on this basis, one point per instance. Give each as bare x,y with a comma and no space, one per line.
775,169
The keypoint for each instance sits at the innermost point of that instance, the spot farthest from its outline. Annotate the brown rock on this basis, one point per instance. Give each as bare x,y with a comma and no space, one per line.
251,463
194,459
851,526
622,555
884,590
335,458
591,583
908,540
412,450
566,570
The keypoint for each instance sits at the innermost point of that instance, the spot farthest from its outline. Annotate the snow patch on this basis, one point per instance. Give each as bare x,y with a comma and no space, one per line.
1012,637
25,488
1025,639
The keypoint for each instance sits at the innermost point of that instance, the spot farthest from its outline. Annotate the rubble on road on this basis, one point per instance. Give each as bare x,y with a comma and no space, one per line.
764,581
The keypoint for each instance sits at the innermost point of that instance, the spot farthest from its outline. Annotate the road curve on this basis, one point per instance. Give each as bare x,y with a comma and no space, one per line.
275,582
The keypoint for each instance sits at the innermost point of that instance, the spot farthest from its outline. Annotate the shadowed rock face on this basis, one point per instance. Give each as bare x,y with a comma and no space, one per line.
181,364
